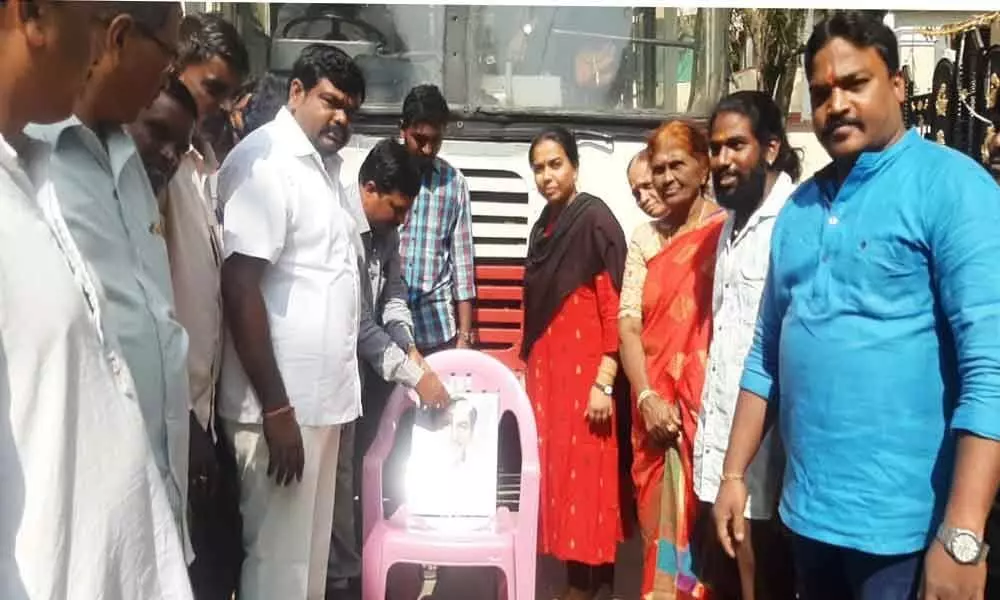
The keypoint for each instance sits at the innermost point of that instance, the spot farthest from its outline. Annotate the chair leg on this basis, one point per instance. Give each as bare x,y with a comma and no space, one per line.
373,578
507,585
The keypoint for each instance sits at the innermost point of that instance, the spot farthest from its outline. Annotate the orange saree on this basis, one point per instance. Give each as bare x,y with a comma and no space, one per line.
676,314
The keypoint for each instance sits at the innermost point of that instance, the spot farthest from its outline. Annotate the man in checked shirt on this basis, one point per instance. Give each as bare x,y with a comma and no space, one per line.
435,242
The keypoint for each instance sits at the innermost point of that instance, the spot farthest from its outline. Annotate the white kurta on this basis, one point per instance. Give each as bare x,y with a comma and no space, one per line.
83,513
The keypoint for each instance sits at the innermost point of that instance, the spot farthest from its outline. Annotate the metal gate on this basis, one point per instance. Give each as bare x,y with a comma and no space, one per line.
963,108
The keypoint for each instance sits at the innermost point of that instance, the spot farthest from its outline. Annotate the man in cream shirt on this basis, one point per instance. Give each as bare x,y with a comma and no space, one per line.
83,513
753,169
105,198
212,62
292,298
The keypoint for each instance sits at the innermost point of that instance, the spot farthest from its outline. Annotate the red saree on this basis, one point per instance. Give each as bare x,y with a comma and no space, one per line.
676,313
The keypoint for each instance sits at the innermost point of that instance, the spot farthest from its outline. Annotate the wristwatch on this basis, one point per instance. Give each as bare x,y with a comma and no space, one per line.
962,545
607,390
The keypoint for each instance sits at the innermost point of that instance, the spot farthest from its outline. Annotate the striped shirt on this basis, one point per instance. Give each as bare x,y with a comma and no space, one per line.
435,244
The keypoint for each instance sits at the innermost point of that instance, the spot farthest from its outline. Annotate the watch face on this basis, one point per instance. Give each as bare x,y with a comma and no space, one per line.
965,547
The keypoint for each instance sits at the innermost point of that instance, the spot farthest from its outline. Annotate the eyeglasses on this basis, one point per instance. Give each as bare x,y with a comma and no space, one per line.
145,31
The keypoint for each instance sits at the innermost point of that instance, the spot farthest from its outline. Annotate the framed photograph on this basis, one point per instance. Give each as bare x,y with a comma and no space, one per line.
452,468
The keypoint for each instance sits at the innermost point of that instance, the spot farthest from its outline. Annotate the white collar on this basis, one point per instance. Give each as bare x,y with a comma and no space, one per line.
768,209
24,161
290,133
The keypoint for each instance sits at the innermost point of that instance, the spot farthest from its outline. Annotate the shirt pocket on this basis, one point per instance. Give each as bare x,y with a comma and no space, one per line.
752,276
889,276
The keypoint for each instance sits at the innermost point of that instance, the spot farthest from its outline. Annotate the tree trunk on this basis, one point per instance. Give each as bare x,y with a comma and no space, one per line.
786,85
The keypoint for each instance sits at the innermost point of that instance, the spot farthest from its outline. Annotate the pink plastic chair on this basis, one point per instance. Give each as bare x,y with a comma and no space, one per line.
510,545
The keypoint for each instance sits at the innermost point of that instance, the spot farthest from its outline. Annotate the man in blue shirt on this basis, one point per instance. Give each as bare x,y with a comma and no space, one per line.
877,345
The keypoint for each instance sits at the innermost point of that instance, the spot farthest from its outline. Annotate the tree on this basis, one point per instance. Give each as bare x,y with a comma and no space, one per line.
775,37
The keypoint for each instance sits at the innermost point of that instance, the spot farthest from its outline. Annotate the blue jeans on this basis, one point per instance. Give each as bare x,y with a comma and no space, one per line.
826,572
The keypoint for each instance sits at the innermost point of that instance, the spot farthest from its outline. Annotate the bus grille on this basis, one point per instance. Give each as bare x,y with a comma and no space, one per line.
500,232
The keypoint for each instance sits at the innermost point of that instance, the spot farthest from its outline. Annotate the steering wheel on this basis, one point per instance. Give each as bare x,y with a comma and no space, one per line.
336,20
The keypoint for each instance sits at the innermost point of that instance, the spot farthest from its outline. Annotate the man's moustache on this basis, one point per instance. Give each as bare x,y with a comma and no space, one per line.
337,132
833,125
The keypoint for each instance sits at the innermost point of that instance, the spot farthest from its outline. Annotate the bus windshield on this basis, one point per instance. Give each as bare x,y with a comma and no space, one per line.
588,59
610,60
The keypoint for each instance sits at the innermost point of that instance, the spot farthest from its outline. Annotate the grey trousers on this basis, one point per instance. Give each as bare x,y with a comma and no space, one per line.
345,553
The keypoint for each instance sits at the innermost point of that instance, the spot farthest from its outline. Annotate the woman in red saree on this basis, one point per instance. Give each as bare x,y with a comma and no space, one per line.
665,328
573,274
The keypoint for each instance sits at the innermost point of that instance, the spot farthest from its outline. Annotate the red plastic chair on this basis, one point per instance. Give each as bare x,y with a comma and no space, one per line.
510,544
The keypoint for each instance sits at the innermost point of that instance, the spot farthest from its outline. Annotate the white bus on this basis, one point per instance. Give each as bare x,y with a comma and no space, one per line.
611,74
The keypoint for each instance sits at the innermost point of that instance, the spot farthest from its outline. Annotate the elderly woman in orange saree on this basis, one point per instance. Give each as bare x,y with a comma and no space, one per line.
665,329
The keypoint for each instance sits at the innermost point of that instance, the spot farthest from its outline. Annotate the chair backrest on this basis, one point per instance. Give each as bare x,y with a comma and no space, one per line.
481,372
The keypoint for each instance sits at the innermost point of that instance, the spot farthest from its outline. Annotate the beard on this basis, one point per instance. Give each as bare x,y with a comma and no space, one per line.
748,193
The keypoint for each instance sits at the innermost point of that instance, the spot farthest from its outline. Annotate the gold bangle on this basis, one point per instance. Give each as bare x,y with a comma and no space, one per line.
732,477
646,393
278,411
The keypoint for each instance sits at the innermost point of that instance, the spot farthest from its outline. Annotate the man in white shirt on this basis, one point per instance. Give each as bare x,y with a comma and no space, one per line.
212,61
753,174
83,513
105,198
292,298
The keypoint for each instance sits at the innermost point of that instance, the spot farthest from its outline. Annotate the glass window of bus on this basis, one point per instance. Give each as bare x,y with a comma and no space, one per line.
583,59
396,46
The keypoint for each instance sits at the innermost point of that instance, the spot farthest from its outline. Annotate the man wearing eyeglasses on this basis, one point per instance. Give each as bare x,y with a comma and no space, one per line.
105,198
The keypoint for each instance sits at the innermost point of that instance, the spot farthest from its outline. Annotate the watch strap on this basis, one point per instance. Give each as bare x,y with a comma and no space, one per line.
607,390
945,535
